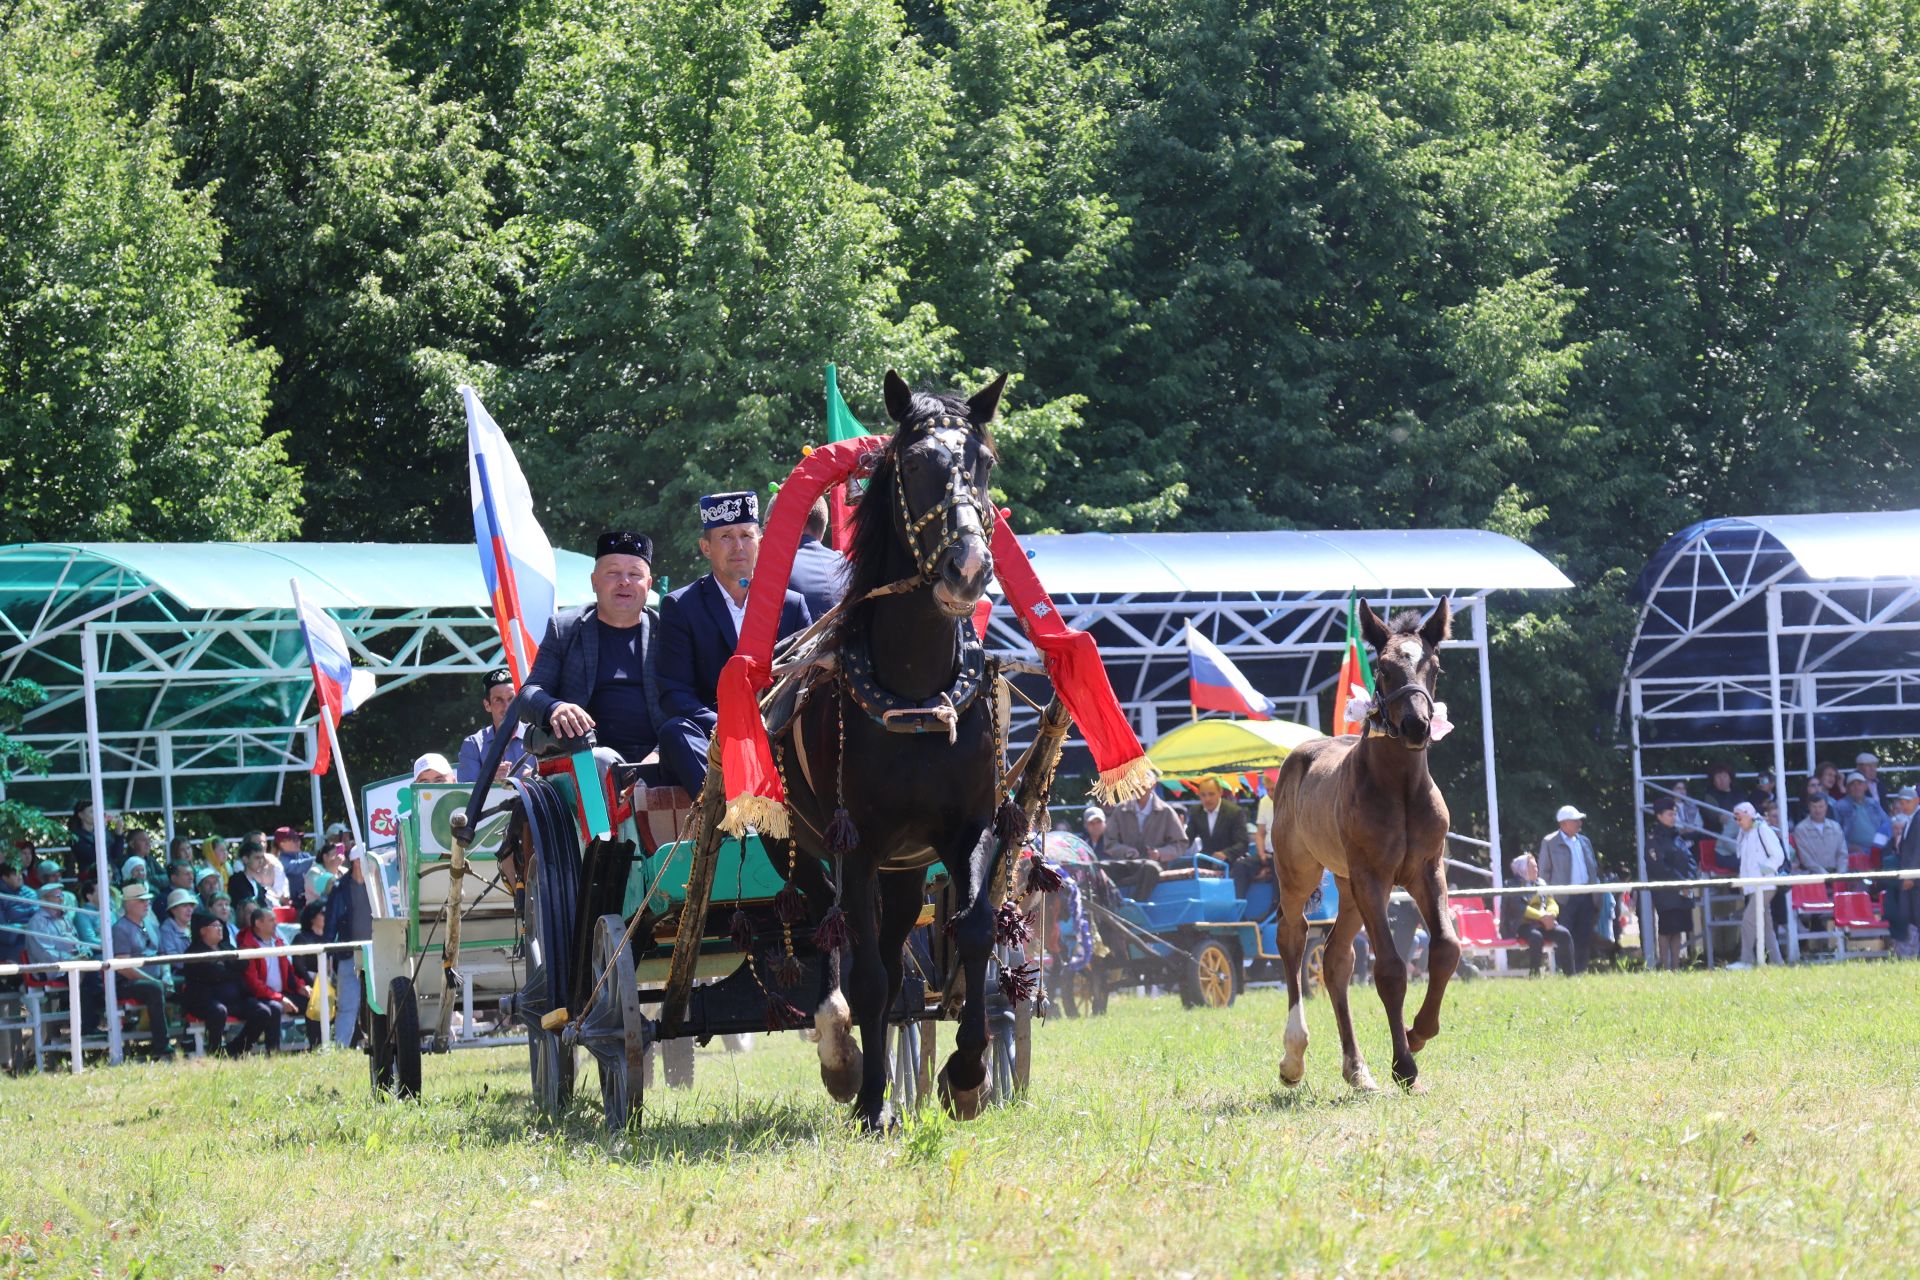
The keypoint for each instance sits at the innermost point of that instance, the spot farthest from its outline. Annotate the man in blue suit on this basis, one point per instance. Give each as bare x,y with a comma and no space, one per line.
595,667
699,628
819,572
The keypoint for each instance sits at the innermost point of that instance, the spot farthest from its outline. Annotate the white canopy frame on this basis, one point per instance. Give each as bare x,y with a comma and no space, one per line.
1796,646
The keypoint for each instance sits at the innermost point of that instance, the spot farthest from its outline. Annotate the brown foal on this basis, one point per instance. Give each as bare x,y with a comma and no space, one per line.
1367,809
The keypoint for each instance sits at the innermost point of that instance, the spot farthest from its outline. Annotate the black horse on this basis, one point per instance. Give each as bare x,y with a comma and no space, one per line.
896,755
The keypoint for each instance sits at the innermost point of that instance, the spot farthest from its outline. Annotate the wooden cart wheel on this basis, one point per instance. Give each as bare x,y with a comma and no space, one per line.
612,1028
1212,976
1314,971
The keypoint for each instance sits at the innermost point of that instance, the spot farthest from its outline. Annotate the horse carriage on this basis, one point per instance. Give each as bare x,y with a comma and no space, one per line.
1192,932
858,792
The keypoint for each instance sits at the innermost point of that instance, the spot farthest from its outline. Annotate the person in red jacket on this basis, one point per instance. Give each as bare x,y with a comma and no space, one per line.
272,980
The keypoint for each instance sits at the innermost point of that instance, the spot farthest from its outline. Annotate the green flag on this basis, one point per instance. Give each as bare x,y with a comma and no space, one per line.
841,424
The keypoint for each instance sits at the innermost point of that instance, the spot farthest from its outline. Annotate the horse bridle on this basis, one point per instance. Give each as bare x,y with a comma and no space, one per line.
959,496
1379,722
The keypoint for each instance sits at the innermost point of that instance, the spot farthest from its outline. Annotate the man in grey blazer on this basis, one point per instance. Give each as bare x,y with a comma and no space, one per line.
595,666
1567,858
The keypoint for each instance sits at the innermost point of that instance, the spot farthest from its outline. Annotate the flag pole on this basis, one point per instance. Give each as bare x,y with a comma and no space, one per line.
377,900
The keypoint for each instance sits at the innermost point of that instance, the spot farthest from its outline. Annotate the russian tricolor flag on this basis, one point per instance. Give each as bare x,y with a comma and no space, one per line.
515,557
1215,684
338,685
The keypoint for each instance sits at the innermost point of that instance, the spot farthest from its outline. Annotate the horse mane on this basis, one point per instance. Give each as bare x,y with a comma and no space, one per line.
1407,622
873,534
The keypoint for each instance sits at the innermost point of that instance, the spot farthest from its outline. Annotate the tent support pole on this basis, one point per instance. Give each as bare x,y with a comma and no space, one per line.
90,674
1779,773
1496,863
1649,949
166,787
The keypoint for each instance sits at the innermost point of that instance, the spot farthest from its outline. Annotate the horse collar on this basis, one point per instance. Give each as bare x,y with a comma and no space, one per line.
896,714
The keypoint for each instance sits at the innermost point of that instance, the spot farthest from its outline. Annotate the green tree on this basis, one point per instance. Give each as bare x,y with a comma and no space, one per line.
700,250
130,405
359,228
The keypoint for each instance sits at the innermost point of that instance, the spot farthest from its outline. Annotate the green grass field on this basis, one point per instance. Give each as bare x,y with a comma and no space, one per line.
1701,1124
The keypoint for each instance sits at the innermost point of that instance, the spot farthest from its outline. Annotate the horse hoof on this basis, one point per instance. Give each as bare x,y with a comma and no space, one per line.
1292,1081
961,1104
1406,1075
841,1068
881,1125
1415,1042
1361,1079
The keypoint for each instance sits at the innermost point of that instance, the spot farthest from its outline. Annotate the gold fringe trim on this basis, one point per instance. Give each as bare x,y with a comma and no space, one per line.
1129,782
769,817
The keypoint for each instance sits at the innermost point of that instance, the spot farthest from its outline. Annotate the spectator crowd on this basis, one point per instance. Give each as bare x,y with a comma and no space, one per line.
214,897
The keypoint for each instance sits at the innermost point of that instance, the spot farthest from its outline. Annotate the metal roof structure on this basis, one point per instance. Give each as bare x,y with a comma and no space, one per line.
188,662
1275,602
1769,631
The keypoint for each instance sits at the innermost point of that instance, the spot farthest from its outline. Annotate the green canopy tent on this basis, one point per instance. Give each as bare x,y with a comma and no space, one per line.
176,673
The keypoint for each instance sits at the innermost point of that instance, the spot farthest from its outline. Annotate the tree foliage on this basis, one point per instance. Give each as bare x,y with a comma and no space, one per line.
130,406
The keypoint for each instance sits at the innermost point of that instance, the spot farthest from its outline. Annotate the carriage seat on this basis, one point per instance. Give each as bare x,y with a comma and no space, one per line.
662,814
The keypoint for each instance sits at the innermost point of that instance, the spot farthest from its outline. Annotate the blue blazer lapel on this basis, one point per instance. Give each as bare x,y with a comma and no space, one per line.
590,647
718,611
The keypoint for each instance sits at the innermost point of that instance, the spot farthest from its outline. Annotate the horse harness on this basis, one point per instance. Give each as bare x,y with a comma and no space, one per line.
959,495
1380,725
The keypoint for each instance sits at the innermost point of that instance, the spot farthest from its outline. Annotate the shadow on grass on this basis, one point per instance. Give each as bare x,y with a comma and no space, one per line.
689,1130
1306,1098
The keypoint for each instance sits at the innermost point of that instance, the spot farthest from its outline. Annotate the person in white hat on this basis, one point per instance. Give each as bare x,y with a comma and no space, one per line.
1760,855
1868,765
432,767
1567,859
1094,822
130,939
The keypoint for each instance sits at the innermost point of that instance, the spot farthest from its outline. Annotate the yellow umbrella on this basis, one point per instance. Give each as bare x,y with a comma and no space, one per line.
1227,746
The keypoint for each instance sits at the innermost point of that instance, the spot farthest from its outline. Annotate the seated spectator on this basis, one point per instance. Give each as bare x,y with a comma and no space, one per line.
313,930
206,883
223,912
271,980
1687,811
16,908
1669,858
216,990
51,940
325,873
139,845
180,850
1867,765
1534,918
1829,774
1220,825
1719,798
81,848
288,854
176,931
130,939
86,920
1899,811
50,874
252,886
1804,801
1819,846
1094,821
1858,814
1762,793
179,876
1147,828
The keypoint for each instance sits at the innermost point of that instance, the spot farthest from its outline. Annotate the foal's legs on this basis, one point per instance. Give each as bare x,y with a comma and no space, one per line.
1339,972
1429,890
1296,886
1370,893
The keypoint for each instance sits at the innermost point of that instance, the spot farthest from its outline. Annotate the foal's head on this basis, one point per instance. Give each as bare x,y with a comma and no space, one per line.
1406,668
